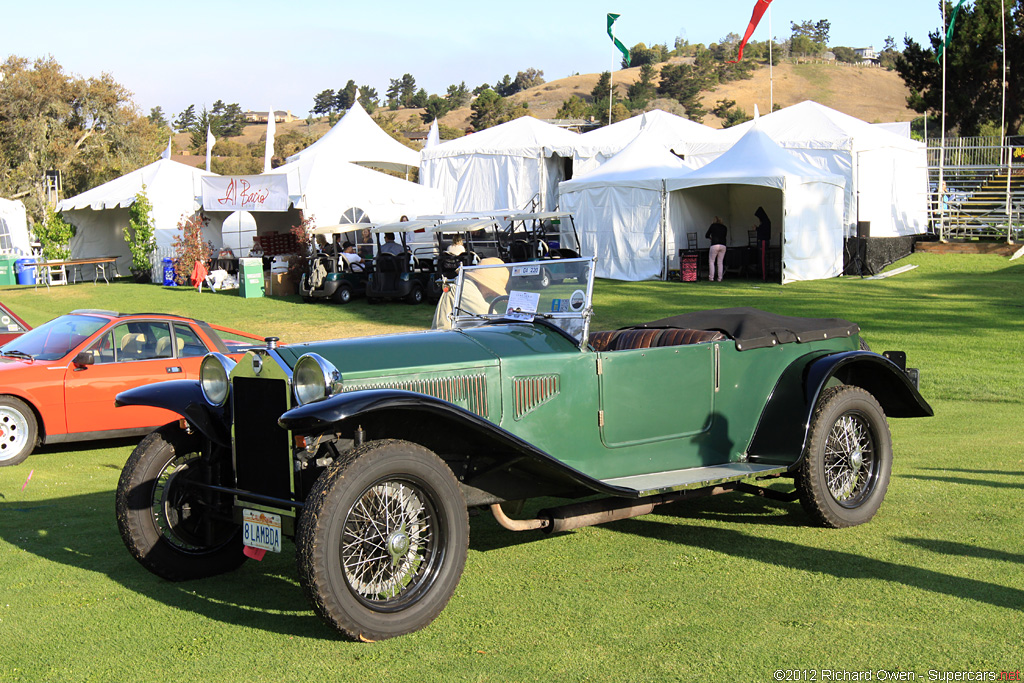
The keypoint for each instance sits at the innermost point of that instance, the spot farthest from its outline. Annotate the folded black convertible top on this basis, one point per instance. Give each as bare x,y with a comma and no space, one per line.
755,329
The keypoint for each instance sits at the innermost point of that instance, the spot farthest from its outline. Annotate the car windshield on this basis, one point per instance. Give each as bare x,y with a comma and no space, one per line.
54,339
556,291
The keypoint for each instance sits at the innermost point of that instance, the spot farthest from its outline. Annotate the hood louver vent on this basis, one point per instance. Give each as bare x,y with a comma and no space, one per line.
530,392
467,391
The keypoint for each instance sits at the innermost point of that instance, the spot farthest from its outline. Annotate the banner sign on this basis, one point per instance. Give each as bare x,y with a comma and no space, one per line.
246,193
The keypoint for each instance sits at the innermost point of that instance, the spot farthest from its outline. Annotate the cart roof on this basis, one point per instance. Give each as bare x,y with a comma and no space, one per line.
404,226
466,225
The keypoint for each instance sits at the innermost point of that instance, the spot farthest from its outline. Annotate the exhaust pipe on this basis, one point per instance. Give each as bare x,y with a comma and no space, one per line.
589,513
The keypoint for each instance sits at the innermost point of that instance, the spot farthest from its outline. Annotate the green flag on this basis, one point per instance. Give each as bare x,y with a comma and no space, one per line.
949,32
622,48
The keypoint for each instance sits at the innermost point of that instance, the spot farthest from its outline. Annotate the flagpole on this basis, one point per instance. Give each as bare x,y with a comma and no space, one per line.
942,139
611,87
771,68
1002,130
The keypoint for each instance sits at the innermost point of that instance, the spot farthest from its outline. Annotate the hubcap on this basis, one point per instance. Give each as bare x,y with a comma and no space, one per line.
13,432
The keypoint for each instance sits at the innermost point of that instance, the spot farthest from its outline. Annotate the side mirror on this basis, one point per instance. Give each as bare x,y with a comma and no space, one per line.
84,358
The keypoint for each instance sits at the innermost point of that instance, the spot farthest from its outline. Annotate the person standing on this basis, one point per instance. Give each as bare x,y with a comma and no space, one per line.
718,234
764,236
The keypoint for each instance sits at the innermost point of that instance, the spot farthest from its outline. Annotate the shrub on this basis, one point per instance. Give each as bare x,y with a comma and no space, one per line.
54,235
140,235
189,247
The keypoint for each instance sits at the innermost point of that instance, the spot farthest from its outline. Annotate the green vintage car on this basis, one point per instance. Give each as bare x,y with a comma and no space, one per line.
369,452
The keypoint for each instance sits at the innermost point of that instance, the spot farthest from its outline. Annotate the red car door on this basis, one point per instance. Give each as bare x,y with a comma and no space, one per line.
131,354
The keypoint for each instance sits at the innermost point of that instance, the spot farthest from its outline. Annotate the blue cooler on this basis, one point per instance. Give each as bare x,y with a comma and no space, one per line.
169,272
26,271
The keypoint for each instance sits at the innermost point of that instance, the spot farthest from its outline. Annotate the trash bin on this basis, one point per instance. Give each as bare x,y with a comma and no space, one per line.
26,271
250,278
8,270
169,274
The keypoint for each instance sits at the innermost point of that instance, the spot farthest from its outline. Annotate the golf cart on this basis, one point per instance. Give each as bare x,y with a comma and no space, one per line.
546,236
330,275
408,275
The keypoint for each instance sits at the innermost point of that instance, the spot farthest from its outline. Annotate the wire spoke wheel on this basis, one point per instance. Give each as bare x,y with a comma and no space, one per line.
388,548
845,469
382,540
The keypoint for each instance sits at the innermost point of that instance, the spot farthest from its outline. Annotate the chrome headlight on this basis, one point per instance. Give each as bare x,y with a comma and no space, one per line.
314,379
213,378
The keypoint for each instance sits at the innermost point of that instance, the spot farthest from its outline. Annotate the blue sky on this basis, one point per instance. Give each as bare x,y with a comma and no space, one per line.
262,54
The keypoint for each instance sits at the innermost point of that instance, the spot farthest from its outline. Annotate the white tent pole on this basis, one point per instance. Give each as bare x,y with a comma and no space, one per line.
771,70
1002,130
664,236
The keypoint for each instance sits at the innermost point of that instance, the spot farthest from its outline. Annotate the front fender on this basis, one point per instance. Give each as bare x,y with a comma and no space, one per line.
783,429
481,453
184,397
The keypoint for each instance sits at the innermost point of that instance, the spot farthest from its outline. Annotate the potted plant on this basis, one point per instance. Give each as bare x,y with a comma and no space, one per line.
140,237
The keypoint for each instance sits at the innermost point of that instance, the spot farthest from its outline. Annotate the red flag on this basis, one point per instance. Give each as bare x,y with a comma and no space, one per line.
759,9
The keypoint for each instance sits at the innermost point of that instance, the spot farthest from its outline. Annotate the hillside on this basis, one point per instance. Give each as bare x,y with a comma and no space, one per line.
869,93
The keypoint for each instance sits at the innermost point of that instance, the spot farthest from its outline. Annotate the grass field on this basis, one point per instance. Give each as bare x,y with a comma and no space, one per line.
730,588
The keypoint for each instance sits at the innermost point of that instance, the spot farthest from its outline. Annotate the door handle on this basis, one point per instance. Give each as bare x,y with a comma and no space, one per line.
174,369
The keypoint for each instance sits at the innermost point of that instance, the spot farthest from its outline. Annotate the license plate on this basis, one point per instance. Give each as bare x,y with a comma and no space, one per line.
261,530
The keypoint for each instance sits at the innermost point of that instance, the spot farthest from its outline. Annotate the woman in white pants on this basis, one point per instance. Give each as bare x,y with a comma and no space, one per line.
718,234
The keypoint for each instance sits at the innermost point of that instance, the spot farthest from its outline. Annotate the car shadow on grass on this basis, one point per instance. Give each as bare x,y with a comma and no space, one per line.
81,531
838,563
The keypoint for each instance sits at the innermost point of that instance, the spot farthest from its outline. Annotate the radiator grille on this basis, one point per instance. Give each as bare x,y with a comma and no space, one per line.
530,392
262,459
467,391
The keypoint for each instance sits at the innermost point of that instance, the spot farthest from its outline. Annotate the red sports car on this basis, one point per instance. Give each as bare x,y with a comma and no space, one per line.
58,381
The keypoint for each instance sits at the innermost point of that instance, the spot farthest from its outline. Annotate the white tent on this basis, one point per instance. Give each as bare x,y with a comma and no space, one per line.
101,214
886,174
620,210
14,228
803,202
505,167
675,133
356,138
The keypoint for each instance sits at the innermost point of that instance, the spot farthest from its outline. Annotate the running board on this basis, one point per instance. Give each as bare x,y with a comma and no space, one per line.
692,478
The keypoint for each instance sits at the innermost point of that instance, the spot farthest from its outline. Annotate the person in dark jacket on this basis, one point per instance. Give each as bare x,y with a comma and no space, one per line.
718,234
764,236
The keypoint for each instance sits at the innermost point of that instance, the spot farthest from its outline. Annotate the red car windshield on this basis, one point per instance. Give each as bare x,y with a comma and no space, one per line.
55,339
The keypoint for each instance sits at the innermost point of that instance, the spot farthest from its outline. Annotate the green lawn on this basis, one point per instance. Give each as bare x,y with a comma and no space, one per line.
727,588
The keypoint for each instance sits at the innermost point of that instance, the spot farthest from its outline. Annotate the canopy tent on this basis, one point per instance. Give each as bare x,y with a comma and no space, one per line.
803,202
14,228
509,166
620,209
356,138
100,215
886,175
675,133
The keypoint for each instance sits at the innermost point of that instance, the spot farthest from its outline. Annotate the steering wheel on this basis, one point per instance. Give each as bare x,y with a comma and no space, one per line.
500,303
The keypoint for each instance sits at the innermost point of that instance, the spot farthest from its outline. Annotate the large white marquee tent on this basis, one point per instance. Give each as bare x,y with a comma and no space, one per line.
356,138
505,167
621,211
595,147
13,228
885,174
100,215
804,202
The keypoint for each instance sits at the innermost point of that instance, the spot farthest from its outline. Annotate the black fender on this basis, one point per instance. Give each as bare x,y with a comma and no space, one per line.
482,455
782,431
184,397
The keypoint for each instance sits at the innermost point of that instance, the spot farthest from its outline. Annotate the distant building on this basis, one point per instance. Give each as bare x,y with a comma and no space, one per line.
868,54
575,125
264,117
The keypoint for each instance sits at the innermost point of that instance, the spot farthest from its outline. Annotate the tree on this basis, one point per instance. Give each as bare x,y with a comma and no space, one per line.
817,32
574,108
973,69
491,109
435,108
157,118
198,140
323,103
141,236
642,91
529,79
189,247
889,55
368,98
186,119
419,100
847,55
506,86
457,96
346,97
602,89
401,91
684,83
88,129
729,113
54,235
